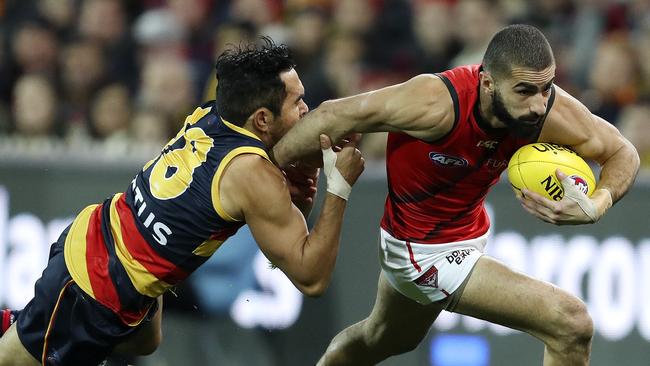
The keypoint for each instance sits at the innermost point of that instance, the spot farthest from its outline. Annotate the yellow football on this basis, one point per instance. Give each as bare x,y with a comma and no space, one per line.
533,167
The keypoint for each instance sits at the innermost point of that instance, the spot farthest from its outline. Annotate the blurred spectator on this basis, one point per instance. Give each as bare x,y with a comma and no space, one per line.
166,87
35,48
35,107
150,129
158,33
82,74
476,22
307,31
390,42
61,14
227,34
641,41
262,13
514,11
110,115
613,78
353,16
343,63
104,21
194,17
433,30
635,125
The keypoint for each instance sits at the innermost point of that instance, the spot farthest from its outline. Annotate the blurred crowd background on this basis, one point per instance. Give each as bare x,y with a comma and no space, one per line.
121,75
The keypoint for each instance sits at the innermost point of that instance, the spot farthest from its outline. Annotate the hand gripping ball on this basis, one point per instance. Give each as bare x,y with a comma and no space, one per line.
533,167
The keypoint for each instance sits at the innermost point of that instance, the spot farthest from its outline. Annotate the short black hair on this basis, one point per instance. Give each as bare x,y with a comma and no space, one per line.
517,45
248,78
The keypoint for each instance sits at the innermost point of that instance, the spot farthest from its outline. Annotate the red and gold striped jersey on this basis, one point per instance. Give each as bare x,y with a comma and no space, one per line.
134,246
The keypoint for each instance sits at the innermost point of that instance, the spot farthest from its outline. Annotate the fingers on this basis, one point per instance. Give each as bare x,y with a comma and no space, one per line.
537,213
325,142
351,140
539,206
537,198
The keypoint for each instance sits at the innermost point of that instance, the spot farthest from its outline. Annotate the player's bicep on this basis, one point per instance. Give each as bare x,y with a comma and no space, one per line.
275,222
571,123
422,103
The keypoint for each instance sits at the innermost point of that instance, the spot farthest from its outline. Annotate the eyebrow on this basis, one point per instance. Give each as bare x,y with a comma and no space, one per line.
533,87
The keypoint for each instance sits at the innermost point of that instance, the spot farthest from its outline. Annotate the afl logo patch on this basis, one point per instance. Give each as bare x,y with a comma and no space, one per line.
447,160
580,183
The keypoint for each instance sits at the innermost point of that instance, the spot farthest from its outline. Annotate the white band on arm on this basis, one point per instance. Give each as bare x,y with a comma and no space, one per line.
586,204
336,184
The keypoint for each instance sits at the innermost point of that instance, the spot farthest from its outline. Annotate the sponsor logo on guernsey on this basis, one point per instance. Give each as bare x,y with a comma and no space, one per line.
447,160
495,164
429,278
488,144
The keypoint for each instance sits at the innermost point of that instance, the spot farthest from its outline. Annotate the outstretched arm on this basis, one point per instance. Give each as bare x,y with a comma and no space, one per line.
571,123
421,107
254,190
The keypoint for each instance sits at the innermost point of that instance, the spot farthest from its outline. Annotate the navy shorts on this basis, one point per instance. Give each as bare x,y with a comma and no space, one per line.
64,326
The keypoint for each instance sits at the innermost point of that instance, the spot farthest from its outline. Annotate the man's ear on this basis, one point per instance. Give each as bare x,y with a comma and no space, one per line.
262,119
487,83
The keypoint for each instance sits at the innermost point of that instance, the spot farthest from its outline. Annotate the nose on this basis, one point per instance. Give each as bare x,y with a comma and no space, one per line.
304,108
538,104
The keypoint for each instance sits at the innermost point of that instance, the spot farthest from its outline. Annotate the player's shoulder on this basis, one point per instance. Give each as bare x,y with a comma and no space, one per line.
426,82
252,170
569,122
566,109
250,181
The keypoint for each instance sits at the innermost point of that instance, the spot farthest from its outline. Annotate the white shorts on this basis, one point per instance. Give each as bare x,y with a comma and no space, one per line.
428,272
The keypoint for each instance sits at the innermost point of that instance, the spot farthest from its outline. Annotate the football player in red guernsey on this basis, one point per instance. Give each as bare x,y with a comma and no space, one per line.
450,137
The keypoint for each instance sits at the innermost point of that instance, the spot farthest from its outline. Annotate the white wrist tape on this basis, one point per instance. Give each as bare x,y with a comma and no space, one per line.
572,192
336,184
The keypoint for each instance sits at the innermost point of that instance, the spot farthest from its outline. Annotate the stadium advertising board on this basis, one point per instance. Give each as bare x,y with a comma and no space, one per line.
607,265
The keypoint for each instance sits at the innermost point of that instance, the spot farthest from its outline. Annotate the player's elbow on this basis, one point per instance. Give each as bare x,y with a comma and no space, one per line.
635,159
315,288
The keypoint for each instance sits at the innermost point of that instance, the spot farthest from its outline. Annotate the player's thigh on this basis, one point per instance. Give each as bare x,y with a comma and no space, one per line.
12,351
147,338
398,317
500,295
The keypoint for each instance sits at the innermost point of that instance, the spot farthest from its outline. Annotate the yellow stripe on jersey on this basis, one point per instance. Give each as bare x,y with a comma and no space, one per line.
207,248
216,201
241,130
74,250
197,115
144,282
191,119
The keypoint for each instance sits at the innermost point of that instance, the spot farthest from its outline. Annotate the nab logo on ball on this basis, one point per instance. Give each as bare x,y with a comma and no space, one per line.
447,160
552,188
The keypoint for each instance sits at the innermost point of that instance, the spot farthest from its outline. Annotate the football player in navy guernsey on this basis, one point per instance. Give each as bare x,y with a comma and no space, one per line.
99,292
450,136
